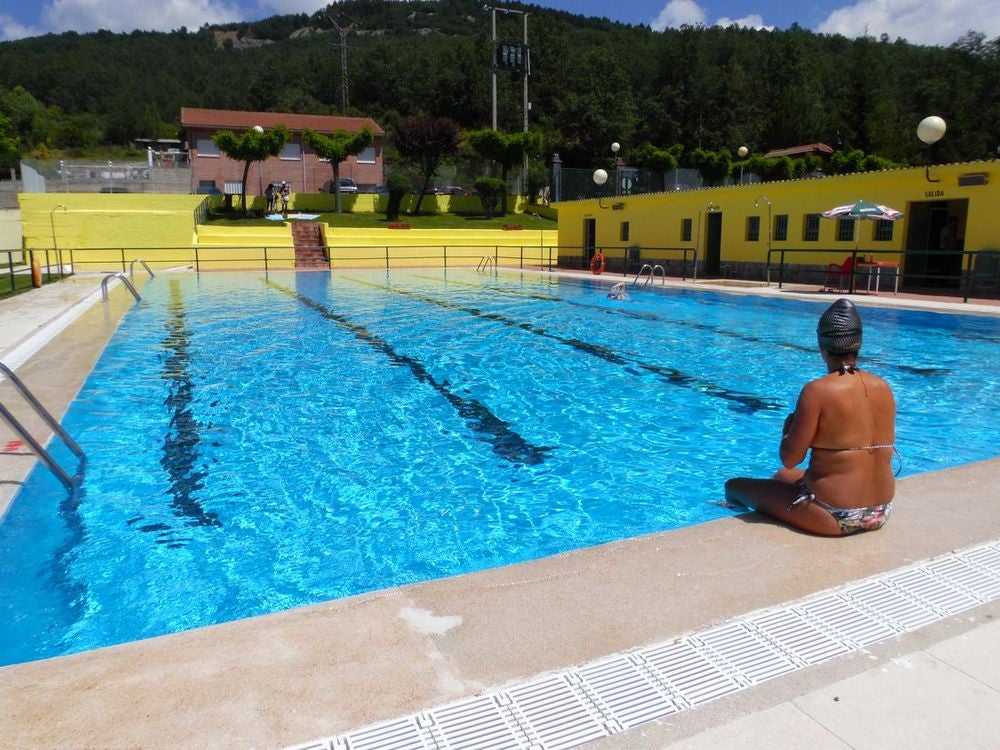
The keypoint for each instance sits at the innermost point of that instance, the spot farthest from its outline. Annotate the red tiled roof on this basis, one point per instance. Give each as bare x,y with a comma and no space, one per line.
809,148
237,120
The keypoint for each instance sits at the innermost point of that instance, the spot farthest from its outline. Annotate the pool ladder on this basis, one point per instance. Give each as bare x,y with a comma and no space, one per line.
126,280
486,264
72,483
652,274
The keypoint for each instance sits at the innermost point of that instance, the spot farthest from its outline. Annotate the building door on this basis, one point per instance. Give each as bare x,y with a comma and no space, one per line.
589,240
927,263
713,244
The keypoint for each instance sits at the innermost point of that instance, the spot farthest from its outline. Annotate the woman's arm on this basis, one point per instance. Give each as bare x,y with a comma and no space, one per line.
800,428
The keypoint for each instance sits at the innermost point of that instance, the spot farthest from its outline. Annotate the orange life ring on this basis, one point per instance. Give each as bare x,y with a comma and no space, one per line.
598,263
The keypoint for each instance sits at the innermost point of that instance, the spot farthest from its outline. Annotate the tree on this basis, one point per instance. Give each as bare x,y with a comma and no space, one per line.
337,147
489,189
659,160
8,147
425,142
256,144
506,149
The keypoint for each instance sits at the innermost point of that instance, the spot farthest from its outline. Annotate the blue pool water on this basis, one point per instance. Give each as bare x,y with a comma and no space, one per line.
257,444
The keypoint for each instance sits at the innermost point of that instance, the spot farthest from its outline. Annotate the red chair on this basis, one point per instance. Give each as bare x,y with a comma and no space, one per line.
839,275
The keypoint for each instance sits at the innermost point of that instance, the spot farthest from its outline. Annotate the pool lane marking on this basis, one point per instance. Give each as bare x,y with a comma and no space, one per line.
742,401
180,444
489,428
913,370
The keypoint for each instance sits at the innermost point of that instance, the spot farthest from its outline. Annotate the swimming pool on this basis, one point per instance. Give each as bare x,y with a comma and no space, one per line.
258,443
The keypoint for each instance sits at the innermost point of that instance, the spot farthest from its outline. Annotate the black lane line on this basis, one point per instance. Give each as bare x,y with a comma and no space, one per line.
486,425
180,452
925,371
744,402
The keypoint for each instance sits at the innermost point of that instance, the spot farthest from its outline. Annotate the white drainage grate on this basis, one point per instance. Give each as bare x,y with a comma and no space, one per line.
612,695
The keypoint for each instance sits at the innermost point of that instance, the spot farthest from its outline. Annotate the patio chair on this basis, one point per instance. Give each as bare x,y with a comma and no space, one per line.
839,275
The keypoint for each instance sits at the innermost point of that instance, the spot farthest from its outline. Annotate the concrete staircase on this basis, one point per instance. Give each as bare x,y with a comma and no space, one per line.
310,247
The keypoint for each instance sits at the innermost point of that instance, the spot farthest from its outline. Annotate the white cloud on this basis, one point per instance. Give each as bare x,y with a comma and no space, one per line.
10,29
679,13
753,21
914,20
115,15
286,7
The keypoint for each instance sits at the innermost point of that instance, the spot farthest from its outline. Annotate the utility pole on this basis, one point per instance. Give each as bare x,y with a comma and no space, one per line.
523,61
343,31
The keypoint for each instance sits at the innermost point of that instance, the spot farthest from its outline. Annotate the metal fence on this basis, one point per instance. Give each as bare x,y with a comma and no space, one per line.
150,175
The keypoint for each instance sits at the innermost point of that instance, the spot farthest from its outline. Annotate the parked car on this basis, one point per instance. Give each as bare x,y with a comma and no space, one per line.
207,190
347,185
455,190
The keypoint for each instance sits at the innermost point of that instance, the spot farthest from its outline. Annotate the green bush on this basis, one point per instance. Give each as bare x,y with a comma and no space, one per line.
489,190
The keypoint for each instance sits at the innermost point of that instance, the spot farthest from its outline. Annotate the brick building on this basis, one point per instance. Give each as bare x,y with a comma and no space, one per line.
296,164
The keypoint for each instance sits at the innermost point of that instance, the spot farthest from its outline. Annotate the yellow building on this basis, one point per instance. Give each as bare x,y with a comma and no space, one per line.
731,229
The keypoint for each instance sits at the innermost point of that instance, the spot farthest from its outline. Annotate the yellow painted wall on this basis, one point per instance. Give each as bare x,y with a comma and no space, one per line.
423,247
655,220
107,232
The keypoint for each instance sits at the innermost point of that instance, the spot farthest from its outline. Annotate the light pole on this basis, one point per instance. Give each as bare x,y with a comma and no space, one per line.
930,131
616,160
742,152
709,207
52,223
767,264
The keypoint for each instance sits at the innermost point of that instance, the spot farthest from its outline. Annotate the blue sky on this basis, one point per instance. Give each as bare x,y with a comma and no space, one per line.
918,21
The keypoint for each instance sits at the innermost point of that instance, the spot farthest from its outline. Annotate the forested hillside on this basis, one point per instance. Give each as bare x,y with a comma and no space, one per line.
592,81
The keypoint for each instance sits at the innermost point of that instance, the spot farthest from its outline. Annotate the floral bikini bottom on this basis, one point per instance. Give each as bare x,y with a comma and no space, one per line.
850,520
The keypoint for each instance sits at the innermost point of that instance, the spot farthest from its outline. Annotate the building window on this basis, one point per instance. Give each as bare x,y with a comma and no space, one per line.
623,235
845,230
685,230
781,227
753,229
883,230
291,152
810,229
367,156
208,147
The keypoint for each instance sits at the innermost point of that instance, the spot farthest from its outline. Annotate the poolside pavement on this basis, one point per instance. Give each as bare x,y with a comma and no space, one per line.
321,671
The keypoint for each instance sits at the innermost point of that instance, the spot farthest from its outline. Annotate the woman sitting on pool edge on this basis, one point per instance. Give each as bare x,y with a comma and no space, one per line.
848,419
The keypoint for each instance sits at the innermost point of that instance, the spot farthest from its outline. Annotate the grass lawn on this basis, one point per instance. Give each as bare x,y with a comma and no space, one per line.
421,221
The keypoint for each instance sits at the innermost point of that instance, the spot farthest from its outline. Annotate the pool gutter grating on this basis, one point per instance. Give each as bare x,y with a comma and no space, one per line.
622,691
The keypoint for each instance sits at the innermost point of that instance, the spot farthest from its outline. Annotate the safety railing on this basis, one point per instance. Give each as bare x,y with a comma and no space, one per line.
71,483
958,273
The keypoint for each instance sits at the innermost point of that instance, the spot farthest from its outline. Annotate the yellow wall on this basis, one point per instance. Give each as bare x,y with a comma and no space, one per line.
655,220
106,232
423,247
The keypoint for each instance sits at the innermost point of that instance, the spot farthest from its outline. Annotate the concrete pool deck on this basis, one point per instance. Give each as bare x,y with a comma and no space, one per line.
318,671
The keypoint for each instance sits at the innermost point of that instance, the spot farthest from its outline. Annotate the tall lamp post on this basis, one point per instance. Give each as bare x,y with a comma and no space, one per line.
767,264
930,131
742,152
52,223
618,164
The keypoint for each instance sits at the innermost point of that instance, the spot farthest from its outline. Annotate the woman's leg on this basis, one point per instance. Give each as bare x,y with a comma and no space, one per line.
774,498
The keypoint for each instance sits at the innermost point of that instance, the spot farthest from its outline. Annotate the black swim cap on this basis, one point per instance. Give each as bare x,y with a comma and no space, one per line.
839,329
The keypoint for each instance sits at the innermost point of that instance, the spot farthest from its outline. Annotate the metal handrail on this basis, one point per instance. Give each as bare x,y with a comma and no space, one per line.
650,279
124,280
131,268
662,271
485,263
71,483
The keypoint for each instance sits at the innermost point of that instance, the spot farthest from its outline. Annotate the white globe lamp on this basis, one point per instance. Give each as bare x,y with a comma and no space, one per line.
742,152
600,176
931,129
258,128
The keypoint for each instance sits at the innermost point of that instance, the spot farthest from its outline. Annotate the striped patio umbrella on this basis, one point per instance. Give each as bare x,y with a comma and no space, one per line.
863,210
858,211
